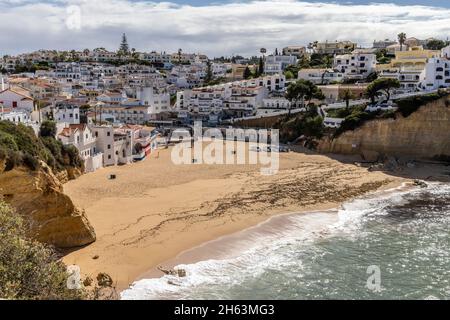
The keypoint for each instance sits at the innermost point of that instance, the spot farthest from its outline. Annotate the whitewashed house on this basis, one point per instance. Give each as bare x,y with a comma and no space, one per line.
357,65
66,113
15,100
83,138
321,76
437,71
277,64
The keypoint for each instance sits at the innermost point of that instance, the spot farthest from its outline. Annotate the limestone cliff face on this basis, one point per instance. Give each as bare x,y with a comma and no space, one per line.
39,197
424,134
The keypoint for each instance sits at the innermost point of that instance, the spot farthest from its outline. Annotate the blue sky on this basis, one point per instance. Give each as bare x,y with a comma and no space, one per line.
214,27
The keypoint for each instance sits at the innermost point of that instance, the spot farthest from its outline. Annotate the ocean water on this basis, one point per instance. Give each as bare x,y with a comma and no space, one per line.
404,234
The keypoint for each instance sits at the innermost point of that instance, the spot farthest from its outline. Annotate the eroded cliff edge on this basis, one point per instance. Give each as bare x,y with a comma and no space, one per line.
51,215
424,134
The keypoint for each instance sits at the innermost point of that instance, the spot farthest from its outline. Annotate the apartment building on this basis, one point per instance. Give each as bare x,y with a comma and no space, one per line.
356,65
83,138
437,71
17,100
277,64
66,112
297,51
321,76
408,67
332,48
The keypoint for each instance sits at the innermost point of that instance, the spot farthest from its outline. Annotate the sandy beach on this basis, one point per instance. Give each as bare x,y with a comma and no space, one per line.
156,210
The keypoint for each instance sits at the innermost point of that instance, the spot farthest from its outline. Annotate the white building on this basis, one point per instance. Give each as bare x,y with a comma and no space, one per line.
83,138
15,116
357,65
273,104
437,71
230,95
277,64
158,102
297,51
15,100
66,113
321,76
410,78
156,57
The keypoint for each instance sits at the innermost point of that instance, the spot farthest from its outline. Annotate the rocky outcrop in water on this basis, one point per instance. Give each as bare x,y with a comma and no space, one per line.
424,134
51,215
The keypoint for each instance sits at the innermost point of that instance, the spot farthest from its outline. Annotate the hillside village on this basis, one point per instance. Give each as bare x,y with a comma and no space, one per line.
115,107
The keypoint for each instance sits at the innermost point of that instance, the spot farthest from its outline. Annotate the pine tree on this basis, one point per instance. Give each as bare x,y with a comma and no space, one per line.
209,75
124,48
261,66
247,73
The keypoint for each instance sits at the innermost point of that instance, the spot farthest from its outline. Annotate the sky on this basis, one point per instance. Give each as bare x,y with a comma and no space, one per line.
213,27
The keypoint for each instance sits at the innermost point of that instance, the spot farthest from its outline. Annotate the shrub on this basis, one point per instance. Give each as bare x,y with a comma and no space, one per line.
28,269
48,129
13,159
30,161
20,146
410,105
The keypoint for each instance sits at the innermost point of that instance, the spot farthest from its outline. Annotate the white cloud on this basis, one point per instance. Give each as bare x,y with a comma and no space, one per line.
241,27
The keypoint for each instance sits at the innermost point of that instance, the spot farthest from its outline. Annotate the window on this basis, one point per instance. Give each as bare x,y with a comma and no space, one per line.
108,134
109,147
109,157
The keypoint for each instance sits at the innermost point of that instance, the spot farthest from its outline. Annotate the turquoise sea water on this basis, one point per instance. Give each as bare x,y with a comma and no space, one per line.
405,234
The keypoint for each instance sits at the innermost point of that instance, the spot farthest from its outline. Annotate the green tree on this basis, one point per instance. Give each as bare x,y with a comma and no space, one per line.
29,270
301,91
347,95
247,73
124,49
261,66
377,87
48,129
289,75
436,44
401,39
209,74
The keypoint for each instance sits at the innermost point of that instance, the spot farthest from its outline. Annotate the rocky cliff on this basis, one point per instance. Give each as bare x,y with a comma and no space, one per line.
38,196
424,134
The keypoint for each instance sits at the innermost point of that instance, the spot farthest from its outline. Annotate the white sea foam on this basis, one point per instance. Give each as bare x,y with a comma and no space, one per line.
273,246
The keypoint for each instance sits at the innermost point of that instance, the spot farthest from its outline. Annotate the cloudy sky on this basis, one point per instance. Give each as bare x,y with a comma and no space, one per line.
214,27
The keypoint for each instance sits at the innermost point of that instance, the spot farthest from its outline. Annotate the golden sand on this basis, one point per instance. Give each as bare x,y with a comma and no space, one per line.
155,210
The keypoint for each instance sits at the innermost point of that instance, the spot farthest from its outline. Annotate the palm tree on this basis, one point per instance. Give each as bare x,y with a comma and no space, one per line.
179,55
401,39
347,95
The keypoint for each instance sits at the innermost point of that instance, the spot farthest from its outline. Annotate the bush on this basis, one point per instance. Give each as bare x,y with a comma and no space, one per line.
410,105
73,155
13,159
28,269
306,124
48,129
355,120
30,161
20,146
